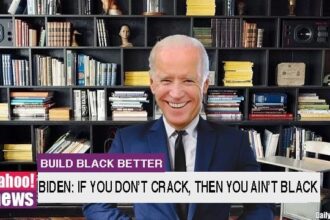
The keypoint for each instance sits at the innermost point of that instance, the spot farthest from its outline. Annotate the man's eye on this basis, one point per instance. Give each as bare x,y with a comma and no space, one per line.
189,81
165,81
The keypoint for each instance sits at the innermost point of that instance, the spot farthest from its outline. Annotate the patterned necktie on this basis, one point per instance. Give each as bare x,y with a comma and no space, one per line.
180,165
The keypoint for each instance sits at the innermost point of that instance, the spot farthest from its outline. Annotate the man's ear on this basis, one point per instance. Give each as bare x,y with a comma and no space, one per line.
152,85
205,86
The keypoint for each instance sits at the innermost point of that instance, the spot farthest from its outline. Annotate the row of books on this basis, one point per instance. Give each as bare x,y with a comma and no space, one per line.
35,7
128,105
90,72
69,143
288,143
50,71
86,7
226,32
15,72
311,107
263,145
251,35
292,141
102,33
238,73
24,35
58,34
221,105
89,103
224,105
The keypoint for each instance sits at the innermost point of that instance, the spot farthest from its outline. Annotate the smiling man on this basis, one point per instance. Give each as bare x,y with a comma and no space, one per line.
178,76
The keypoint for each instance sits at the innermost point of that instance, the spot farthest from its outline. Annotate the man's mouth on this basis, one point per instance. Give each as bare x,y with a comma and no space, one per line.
177,105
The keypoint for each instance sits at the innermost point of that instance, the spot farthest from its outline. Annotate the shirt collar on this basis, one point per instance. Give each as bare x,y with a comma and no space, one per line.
190,128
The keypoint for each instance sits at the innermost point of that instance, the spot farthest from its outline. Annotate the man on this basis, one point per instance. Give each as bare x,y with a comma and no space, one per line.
179,78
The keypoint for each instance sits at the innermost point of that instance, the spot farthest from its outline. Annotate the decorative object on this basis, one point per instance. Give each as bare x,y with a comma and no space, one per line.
291,74
241,7
152,7
326,80
292,7
124,33
74,38
110,7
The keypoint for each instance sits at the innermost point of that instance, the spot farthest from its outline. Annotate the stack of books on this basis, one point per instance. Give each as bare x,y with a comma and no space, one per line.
128,105
203,34
69,143
238,73
137,78
224,105
312,108
200,7
31,105
17,152
4,114
269,106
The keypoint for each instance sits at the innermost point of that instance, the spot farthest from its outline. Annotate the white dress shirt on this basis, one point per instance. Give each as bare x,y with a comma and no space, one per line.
189,143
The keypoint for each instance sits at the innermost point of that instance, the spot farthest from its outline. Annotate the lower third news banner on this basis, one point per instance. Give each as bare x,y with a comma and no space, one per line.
127,178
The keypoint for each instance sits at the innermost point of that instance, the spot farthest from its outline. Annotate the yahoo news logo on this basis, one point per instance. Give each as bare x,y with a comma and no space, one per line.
18,189
322,215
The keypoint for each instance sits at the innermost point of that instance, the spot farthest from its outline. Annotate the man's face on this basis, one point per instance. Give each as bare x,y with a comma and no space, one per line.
178,85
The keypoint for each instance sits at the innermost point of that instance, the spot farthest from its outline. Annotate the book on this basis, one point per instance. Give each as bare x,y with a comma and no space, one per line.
43,94
17,7
18,147
269,98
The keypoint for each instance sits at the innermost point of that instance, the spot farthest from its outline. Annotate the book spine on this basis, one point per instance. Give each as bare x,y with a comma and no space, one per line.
81,70
270,98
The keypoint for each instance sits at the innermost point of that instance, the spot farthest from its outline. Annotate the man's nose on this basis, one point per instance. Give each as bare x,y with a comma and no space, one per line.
176,90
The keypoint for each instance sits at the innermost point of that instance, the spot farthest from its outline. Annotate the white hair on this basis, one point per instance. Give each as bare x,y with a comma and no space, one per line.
181,40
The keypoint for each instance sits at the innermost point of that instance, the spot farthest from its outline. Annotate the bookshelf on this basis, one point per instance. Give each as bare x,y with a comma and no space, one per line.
145,31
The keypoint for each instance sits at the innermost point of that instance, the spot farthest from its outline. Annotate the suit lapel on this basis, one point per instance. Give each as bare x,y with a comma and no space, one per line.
157,141
206,140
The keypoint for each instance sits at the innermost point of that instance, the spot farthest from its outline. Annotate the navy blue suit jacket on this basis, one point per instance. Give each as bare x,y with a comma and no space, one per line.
219,148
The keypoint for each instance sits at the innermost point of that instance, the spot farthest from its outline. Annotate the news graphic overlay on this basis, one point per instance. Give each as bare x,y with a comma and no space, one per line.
18,190
129,178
